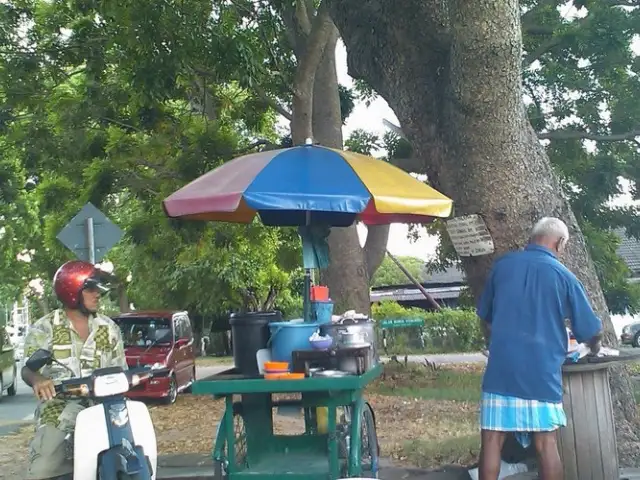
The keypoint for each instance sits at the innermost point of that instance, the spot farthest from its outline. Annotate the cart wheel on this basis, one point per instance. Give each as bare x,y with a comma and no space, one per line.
219,470
369,448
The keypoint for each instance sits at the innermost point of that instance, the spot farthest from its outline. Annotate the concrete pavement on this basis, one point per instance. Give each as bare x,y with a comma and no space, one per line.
16,411
196,466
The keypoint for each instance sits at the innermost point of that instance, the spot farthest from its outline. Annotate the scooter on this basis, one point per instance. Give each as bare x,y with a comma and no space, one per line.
115,439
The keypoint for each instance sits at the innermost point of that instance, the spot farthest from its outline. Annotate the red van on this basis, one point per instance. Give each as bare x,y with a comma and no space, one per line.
162,338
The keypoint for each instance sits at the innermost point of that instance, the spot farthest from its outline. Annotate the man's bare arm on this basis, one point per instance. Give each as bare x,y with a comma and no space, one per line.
29,376
43,387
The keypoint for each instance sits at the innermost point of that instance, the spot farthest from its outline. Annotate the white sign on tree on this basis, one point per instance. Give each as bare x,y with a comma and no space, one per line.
470,236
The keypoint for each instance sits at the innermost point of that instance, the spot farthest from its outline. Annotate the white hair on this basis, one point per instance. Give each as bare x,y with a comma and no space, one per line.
550,227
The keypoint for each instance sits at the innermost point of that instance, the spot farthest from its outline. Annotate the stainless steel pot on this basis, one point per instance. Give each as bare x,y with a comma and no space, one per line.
363,330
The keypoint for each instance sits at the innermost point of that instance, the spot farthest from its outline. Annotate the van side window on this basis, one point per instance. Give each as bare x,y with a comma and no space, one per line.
187,331
177,320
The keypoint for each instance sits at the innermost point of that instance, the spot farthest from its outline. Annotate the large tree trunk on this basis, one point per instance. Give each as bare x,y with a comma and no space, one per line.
346,276
451,71
349,270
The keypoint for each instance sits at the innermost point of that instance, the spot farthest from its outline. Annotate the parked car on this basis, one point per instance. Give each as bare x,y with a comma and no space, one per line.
631,334
161,338
8,367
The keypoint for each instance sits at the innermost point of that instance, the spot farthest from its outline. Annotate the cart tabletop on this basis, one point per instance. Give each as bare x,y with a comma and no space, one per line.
229,383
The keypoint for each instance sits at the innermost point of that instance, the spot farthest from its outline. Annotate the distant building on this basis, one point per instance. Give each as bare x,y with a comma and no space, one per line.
445,287
629,250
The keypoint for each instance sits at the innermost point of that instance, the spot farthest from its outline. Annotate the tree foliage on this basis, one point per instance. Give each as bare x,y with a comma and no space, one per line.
117,105
390,274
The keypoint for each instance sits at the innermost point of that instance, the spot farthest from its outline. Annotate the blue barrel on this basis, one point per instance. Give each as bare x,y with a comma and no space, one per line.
289,336
322,311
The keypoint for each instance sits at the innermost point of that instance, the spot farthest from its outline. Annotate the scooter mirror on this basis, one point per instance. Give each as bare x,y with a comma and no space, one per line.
39,359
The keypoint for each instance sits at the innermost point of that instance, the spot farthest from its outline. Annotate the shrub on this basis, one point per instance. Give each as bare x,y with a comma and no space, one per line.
446,330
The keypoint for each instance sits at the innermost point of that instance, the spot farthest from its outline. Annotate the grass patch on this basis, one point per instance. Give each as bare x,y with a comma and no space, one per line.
214,361
430,382
456,450
430,415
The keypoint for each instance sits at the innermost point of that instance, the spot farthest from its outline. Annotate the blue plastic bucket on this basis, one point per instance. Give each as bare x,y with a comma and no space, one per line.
289,336
322,311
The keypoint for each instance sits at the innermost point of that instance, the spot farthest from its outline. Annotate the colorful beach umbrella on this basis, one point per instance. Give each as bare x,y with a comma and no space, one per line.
305,185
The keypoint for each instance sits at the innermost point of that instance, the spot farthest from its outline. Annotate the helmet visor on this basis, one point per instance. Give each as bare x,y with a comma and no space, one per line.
95,283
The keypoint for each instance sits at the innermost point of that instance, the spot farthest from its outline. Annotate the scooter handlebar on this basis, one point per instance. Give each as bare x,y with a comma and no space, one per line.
83,386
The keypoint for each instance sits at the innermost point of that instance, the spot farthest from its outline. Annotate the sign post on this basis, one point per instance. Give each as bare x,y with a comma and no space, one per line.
91,241
90,234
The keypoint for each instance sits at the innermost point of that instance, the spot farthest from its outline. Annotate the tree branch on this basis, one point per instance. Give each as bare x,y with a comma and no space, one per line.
554,41
375,247
305,75
578,135
303,17
272,103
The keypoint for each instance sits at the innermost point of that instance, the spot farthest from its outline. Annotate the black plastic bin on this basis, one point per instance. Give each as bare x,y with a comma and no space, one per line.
250,333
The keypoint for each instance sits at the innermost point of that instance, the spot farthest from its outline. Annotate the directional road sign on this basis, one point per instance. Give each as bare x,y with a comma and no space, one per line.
90,234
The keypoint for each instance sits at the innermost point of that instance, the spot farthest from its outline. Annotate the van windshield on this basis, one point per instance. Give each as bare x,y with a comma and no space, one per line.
145,331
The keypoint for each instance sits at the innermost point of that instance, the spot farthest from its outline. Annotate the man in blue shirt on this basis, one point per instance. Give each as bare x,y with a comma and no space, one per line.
527,299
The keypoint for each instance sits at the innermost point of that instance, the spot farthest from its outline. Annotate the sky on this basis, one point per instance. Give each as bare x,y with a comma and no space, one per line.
370,119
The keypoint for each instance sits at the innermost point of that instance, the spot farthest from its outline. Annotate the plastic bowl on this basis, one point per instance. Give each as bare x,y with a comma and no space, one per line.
277,366
322,343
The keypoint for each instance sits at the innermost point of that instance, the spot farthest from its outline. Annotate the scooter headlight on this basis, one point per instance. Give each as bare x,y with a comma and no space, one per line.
109,385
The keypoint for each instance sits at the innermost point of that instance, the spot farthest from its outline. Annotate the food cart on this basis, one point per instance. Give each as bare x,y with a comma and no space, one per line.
246,445
314,188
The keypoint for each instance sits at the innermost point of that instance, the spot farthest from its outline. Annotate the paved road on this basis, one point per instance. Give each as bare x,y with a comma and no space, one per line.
17,411
444,358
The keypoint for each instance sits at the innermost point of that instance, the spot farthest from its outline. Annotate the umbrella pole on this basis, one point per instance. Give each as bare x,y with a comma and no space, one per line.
306,298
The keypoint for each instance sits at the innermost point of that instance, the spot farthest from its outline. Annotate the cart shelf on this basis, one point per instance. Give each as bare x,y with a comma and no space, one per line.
230,382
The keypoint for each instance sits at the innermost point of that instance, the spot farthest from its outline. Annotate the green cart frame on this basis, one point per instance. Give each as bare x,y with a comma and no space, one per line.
247,447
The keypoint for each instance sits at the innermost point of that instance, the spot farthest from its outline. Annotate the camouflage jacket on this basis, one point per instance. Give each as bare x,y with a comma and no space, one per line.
53,332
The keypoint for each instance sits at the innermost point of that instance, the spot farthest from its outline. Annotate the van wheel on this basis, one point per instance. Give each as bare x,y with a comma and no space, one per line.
636,340
193,379
170,399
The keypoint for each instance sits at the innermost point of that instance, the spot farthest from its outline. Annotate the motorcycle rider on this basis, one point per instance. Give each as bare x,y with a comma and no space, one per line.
82,340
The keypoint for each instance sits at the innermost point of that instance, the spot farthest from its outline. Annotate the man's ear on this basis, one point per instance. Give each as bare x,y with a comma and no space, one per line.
562,243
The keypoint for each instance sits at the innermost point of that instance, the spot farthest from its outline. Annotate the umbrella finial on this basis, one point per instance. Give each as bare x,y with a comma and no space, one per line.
308,141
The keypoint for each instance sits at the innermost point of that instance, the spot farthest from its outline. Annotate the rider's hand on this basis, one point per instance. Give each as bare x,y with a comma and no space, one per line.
44,388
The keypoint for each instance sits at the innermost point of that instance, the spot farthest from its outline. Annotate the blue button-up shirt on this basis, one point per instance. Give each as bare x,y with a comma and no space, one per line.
527,298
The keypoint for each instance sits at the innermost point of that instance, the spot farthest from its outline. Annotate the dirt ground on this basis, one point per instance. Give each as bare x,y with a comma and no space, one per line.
426,416
189,427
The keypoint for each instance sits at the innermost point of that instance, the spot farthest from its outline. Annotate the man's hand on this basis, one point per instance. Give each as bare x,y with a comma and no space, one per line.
595,344
44,388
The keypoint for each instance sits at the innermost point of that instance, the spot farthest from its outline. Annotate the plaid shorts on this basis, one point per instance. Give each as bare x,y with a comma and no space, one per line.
511,414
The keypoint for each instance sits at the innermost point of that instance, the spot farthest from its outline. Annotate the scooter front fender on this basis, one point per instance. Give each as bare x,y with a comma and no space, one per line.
117,461
91,438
